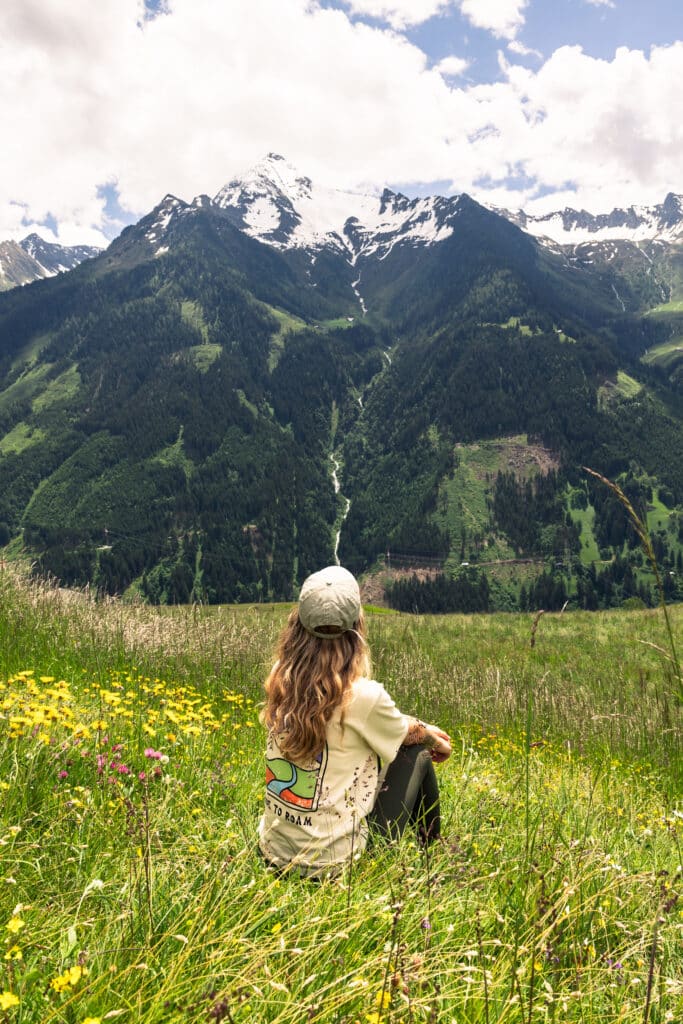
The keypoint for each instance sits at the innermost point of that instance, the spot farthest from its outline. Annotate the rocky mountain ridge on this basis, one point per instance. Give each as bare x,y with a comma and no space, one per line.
635,254
660,223
33,258
275,204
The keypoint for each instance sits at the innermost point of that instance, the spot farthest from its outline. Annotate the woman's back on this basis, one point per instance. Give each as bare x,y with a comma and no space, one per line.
314,812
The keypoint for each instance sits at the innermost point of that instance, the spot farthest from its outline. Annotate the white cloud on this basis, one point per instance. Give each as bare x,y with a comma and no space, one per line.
188,100
601,3
191,98
399,14
452,67
514,46
605,131
503,18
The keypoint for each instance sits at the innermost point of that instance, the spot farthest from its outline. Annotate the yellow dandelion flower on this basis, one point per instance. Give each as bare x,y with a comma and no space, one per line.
91,1020
15,924
70,978
8,1000
14,953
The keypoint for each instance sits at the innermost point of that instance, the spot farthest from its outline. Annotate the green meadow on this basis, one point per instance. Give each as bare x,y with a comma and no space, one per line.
131,777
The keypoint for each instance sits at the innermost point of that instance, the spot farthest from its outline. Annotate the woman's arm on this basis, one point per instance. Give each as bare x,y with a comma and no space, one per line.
438,741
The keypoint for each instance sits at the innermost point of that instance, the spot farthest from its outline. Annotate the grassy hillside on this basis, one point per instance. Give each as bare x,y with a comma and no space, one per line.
131,774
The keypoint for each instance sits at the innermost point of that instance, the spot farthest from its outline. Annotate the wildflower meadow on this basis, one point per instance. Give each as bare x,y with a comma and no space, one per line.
131,780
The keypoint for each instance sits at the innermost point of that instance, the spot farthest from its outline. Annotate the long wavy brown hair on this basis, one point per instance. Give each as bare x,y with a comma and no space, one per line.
310,679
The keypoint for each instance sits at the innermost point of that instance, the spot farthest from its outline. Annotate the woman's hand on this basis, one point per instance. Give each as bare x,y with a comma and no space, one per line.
441,744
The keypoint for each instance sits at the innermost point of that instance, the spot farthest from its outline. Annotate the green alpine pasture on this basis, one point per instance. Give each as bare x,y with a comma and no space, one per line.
666,308
131,776
666,355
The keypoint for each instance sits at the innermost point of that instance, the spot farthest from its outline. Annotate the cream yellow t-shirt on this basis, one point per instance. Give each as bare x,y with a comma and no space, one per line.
314,814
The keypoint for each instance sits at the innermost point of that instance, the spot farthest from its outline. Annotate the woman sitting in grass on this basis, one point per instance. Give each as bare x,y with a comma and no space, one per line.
340,755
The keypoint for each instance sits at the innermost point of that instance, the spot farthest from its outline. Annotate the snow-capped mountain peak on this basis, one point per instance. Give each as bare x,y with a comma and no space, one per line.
274,172
54,258
160,219
276,204
33,258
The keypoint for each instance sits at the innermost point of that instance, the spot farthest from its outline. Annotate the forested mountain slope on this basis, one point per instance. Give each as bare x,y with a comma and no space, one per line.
177,413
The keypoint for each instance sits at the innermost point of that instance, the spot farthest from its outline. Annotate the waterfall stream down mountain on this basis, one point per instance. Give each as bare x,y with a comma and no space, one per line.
346,506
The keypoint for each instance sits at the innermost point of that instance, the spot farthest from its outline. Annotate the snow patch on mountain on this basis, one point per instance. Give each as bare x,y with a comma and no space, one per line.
262,217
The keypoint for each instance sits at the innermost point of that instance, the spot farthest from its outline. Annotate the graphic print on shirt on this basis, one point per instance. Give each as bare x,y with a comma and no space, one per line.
294,785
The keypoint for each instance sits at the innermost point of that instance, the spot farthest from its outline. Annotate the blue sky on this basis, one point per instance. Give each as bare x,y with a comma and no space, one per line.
599,30
538,104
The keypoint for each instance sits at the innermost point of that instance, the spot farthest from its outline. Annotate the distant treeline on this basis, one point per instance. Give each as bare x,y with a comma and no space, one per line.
467,592
588,589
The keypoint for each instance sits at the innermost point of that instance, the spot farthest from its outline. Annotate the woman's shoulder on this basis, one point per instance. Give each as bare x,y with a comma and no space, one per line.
366,692
374,715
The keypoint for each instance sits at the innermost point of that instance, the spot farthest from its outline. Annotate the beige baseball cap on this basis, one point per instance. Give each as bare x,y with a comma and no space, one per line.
329,597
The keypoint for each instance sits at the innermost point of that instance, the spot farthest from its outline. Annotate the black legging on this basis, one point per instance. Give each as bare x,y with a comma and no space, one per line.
409,795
